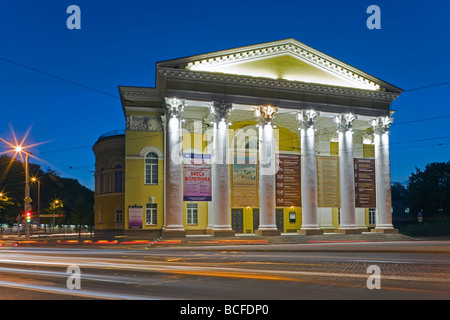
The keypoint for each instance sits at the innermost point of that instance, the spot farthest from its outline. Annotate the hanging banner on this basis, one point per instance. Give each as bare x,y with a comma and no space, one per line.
197,177
135,217
244,190
288,181
364,183
328,195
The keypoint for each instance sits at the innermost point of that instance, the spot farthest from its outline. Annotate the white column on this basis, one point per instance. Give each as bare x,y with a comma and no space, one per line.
382,175
358,152
267,171
310,225
221,171
344,123
174,170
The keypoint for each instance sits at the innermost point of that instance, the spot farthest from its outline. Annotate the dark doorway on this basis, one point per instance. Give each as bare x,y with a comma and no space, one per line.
237,220
279,218
255,220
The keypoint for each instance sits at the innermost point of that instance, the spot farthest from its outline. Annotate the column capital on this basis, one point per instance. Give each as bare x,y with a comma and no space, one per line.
381,124
307,118
266,114
344,122
174,107
220,111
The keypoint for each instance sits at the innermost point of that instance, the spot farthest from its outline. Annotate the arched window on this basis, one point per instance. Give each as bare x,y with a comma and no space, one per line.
118,178
151,168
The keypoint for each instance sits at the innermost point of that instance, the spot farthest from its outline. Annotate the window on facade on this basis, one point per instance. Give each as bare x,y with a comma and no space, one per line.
119,215
101,177
192,213
118,178
151,168
292,217
372,215
151,213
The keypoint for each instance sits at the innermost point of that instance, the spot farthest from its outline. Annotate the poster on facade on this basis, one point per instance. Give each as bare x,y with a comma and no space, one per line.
134,217
288,181
328,195
244,186
244,171
364,183
197,177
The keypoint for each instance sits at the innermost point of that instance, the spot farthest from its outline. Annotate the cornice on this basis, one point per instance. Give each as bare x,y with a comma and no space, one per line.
275,84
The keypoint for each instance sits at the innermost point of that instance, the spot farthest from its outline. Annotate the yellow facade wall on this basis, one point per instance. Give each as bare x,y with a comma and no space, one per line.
136,191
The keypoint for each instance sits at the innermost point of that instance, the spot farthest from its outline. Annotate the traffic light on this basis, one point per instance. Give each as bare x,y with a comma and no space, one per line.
28,216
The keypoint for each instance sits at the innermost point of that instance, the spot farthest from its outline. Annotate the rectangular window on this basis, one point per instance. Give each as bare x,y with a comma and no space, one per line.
192,214
119,215
372,215
151,213
292,217
151,168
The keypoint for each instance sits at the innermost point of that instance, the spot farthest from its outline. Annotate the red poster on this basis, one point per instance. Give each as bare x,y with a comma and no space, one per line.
288,188
365,183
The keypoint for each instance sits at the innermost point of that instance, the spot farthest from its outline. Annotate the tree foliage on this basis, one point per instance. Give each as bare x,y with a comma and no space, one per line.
429,190
77,200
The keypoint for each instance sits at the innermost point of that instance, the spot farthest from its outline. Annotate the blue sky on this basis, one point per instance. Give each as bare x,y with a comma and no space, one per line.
120,42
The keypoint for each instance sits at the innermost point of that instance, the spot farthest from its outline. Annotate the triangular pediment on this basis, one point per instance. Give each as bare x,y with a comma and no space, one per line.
288,60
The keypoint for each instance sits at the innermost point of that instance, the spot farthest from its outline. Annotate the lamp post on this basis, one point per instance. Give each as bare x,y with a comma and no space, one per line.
19,149
34,179
27,200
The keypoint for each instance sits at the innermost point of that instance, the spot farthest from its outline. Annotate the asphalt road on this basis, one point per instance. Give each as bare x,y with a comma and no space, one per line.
408,270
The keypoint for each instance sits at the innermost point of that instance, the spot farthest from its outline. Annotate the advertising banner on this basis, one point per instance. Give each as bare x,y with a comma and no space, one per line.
244,189
328,195
364,183
134,217
288,181
197,177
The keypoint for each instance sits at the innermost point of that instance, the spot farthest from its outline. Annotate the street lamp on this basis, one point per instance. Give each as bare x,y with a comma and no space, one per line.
19,149
34,179
27,200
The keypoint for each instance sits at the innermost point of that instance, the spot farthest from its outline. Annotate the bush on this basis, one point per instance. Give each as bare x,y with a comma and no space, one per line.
430,229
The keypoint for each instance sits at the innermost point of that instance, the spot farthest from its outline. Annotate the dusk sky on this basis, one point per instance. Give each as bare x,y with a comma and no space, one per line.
120,41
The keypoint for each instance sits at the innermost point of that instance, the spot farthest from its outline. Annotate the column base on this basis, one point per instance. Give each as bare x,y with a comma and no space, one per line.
175,233
267,232
385,231
223,233
310,232
348,231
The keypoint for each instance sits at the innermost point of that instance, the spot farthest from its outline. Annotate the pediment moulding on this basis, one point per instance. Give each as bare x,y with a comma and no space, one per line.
220,61
290,49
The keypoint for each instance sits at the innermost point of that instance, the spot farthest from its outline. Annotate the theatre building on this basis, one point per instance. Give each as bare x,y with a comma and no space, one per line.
266,139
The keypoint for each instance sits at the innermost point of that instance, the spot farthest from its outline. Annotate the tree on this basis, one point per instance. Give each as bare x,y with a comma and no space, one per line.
429,190
70,192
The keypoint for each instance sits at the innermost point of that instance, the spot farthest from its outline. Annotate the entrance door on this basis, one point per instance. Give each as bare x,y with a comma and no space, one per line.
255,220
279,219
237,220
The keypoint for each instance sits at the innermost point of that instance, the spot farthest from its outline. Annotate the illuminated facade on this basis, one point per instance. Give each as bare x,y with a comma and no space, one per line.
267,139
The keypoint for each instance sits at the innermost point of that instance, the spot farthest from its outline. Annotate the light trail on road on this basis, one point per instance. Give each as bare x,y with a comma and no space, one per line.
157,273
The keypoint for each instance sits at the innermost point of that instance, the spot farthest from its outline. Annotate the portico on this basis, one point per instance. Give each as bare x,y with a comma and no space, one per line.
297,142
